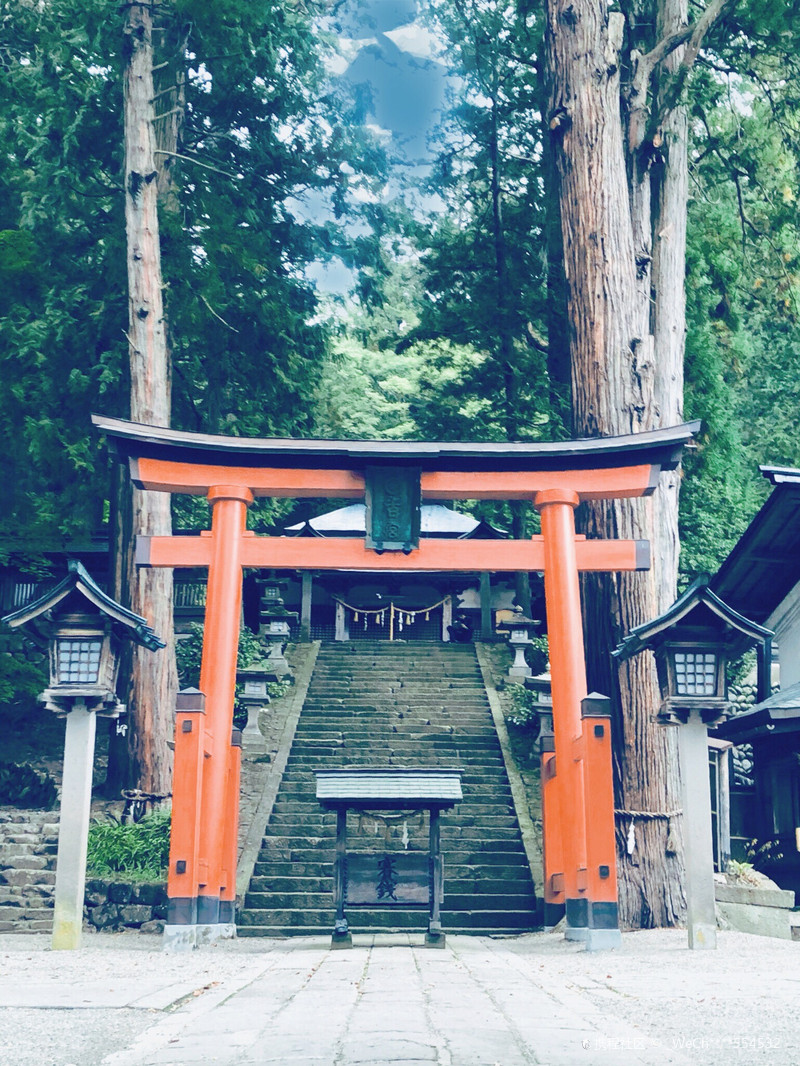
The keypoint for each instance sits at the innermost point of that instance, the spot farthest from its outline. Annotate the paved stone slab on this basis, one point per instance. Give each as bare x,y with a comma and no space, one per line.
533,1000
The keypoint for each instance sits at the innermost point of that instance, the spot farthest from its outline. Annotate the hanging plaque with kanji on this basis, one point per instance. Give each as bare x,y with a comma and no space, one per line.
392,498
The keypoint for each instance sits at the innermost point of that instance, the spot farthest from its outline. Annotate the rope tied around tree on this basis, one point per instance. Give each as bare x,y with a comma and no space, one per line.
671,845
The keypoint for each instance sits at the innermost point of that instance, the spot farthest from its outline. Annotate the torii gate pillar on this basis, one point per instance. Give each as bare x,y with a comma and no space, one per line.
217,883
590,901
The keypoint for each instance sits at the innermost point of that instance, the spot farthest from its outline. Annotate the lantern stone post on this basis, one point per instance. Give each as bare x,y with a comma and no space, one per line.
73,825
692,640
82,627
255,680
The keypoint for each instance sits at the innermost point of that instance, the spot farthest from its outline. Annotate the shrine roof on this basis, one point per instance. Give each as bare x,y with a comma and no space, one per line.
779,713
661,447
764,565
435,520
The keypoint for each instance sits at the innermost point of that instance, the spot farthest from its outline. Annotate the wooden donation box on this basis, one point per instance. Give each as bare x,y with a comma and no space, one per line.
405,879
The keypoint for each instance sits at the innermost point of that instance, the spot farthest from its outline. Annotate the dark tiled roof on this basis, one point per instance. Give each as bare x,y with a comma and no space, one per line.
764,566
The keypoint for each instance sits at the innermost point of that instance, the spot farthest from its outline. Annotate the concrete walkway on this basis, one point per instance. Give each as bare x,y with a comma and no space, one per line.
120,1001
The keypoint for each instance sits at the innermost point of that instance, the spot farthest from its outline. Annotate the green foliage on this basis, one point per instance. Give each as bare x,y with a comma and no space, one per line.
739,870
743,268
22,786
276,690
62,265
262,153
523,714
482,254
537,655
189,651
21,679
188,654
137,851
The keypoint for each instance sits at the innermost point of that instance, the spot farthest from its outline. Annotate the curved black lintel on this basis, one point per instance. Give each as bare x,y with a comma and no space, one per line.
660,447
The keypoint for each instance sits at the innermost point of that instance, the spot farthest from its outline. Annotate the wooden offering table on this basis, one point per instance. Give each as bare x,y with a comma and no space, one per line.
402,879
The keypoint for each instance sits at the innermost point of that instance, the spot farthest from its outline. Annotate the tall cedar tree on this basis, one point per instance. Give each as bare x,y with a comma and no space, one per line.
619,135
152,680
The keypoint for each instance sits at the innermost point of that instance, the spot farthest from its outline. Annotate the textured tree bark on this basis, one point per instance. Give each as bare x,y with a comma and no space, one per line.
605,202
153,679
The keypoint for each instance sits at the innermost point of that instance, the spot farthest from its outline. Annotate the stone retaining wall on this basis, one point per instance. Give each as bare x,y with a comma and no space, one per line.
113,905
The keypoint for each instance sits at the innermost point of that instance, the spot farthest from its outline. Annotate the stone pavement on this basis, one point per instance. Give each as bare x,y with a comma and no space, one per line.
482,1001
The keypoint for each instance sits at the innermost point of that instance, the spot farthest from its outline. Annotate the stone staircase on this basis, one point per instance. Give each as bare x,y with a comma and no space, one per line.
28,847
394,704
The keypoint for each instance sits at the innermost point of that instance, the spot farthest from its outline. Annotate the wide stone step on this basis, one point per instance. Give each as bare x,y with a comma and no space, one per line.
424,749
288,823
455,856
514,870
272,901
473,886
362,933
448,701
328,756
361,919
27,877
453,833
28,862
474,774
403,733
9,912
433,750
283,883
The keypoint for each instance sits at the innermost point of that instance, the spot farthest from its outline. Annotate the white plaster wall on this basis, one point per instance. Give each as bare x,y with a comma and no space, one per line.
785,621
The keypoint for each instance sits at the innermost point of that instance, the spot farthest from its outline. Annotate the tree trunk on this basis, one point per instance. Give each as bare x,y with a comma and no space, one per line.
670,196
613,383
153,678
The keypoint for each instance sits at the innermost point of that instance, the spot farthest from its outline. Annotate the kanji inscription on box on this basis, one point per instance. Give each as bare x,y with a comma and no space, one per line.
383,879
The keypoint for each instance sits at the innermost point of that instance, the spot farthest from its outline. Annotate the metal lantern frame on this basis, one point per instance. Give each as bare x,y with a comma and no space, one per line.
677,662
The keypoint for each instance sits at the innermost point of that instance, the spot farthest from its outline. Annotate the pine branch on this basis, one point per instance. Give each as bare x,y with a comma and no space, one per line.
227,325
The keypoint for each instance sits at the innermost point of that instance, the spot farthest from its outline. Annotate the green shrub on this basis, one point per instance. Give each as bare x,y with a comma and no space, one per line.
537,654
523,713
22,786
23,675
138,851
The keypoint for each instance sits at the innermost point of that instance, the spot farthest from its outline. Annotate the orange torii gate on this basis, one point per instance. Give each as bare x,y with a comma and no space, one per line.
580,862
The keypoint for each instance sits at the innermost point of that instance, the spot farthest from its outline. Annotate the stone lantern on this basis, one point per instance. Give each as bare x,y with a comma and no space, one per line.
275,626
519,640
83,629
692,642
254,680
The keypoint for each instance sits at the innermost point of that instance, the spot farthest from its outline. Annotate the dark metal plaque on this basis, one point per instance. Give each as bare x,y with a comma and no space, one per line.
381,879
393,507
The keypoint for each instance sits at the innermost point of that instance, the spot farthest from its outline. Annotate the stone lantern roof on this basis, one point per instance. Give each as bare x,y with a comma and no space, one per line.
79,584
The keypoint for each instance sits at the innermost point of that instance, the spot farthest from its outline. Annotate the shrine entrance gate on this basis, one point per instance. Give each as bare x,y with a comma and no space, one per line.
579,846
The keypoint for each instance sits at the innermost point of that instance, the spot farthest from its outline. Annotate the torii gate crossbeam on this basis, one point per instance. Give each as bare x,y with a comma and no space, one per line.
556,477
